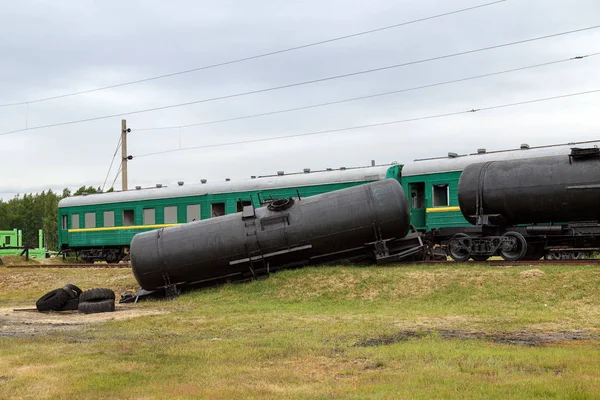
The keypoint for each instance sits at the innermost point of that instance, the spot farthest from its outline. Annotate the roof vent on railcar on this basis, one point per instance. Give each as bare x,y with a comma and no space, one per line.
180,183
279,173
227,179
372,163
343,168
524,146
159,185
252,176
452,155
481,151
138,188
329,169
202,180
306,170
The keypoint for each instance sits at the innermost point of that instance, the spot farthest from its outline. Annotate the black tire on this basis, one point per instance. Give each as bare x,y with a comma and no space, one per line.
70,305
73,290
94,307
97,294
53,300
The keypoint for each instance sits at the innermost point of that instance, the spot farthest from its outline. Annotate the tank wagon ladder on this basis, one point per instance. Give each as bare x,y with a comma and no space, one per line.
249,218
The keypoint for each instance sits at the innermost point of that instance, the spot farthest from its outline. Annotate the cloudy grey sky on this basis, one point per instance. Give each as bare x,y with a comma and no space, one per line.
54,47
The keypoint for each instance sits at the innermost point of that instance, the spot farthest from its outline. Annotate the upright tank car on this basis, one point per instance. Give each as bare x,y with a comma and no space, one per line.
530,208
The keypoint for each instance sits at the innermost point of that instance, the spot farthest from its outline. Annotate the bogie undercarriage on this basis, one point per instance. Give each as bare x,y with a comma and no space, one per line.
108,254
573,241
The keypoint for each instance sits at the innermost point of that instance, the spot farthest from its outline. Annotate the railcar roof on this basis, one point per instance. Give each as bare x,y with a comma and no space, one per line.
459,163
356,174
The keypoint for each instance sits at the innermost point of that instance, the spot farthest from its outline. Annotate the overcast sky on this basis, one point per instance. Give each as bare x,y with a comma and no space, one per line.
55,47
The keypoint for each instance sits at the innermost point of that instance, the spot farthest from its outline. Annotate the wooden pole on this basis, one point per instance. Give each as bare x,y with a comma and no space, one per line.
124,153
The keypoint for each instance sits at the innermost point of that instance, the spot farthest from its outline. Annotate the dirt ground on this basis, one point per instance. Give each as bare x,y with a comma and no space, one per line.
30,322
517,338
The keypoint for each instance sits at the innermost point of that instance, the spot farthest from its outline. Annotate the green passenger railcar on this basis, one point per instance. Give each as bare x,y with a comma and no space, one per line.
101,226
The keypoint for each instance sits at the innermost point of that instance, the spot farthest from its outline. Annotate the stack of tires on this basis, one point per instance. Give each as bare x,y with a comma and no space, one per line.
71,298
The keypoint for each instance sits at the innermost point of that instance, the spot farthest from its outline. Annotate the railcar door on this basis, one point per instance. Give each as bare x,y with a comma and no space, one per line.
417,204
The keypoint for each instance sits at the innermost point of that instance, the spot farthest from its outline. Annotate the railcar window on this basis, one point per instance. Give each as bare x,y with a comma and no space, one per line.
217,209
193,212
242,203
7,240
149,216
128,218
75,221
440,195
109,218
90,220
171,215
65,221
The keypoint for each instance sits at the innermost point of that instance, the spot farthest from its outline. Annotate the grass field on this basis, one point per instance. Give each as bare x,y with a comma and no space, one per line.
413,332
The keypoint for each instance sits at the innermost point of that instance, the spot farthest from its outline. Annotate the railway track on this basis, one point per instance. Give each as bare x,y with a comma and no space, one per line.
106,266
492,263
523,263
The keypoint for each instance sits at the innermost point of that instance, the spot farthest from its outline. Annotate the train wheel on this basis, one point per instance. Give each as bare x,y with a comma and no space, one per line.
460,246
514,247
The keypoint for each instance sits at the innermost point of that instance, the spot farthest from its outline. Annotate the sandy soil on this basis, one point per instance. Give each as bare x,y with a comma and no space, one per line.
30,322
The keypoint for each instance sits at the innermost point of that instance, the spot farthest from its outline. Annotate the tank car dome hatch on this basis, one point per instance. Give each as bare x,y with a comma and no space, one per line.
306,170
524,146
452,155
227,180
481,151
279,173
202,180
280,204
138,188
180,183
159,185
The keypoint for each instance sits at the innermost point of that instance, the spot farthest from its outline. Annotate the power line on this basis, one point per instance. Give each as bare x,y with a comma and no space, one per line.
116,176
372,95
474,110
113,160
255,56
303,83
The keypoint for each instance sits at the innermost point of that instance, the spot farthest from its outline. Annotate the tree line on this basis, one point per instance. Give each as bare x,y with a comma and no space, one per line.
31,212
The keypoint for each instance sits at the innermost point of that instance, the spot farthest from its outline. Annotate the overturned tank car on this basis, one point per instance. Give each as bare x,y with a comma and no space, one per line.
366,223
528,209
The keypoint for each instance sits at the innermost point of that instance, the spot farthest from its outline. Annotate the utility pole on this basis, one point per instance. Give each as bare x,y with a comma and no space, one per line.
124,153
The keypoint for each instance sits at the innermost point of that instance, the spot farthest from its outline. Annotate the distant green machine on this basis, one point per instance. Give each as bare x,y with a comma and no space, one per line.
11,243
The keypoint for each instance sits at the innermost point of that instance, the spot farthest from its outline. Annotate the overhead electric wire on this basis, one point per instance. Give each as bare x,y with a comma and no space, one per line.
474,110
305,82
111,163
371,95
263,55
116,176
